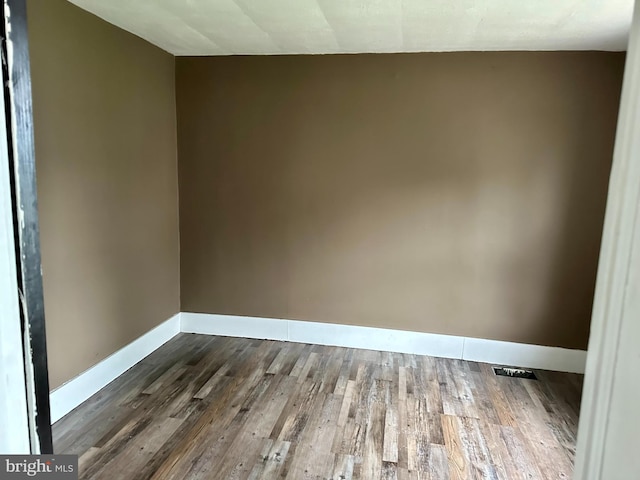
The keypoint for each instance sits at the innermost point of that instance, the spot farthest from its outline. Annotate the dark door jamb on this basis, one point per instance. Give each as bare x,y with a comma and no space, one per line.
19,118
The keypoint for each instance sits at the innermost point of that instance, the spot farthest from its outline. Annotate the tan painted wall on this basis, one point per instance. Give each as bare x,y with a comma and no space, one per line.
105,130
457,193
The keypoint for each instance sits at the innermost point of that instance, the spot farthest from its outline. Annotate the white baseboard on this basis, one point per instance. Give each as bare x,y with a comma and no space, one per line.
525,355
323,334
71,394
370,338
446,346
68,396
234,326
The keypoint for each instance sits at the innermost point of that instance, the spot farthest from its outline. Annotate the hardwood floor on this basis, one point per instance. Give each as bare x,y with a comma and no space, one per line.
228,408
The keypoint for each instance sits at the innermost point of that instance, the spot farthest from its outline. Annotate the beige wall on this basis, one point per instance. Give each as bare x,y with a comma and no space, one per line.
457,193
105,130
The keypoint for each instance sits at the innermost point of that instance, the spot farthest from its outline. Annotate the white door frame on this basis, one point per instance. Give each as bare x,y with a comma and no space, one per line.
608,449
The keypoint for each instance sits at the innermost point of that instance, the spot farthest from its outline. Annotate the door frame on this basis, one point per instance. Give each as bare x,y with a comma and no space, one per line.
615,309
19,166
14,436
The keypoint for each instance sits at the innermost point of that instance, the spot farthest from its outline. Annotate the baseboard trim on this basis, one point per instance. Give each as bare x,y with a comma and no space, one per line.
71,394
446,346
68,396
525,355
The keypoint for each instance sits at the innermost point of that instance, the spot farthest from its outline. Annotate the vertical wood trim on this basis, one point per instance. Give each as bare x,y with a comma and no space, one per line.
23,170
609,313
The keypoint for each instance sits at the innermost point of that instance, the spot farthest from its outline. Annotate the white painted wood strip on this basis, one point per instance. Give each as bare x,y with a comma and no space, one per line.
524,355
234,326
419,343
68,396
384,339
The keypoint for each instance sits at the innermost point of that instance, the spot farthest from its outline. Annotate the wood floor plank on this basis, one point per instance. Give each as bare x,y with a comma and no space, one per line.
139,451
438,463
229,408
344,374
343,467
272,458
405,431
457,397
220,413
476,449
517,459
373,442
459,468
391,435
495,390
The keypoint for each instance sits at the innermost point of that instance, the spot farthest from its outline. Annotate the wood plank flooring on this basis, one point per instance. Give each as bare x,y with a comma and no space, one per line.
228,408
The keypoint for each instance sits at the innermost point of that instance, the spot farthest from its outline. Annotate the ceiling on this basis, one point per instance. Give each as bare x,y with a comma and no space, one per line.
227,27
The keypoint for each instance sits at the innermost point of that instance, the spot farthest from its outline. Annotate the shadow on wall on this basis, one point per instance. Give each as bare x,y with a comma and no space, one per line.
585,179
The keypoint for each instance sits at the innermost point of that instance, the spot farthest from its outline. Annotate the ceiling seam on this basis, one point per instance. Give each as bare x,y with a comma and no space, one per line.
212,41
196,31
402,33
333,30
245,10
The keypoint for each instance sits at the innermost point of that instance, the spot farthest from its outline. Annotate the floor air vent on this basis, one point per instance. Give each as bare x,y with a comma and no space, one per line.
514,372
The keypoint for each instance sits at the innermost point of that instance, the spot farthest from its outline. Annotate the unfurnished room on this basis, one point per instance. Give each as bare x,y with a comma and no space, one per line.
320,239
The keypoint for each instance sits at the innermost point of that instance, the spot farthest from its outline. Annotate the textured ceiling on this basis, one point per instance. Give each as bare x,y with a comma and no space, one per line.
226,27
